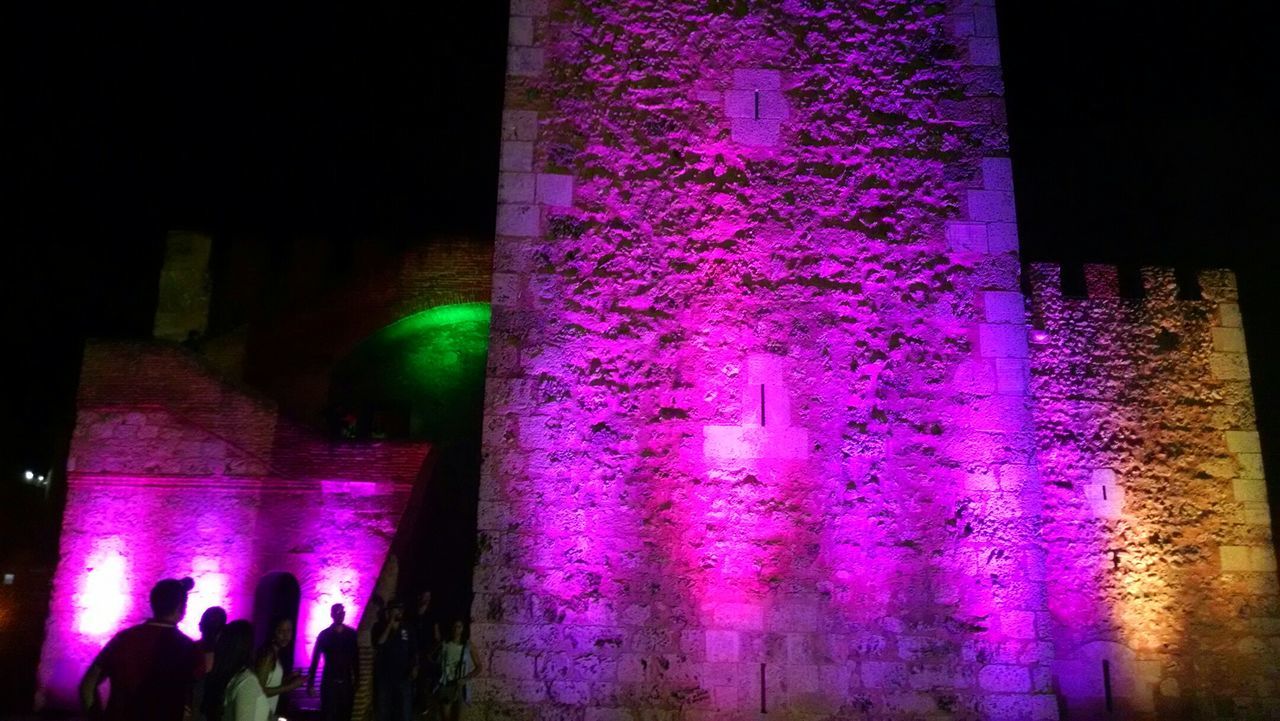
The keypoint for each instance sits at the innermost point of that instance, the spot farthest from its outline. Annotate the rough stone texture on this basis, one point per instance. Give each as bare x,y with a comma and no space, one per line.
1171,579
174,471
757,429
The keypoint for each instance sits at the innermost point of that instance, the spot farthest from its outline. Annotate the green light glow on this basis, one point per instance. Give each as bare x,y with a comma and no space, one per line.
431,363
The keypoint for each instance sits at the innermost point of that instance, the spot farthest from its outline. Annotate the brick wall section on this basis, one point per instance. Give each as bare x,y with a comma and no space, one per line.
1156,513
757,425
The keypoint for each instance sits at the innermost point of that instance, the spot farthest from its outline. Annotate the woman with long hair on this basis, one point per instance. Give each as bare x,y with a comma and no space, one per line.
232,692
458,663
271,673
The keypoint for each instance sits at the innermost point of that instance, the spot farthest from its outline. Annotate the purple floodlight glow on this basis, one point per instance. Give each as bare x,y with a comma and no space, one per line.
103,600
212,589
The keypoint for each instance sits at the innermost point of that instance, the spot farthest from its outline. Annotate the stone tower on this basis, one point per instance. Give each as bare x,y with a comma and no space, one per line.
758,436
759,421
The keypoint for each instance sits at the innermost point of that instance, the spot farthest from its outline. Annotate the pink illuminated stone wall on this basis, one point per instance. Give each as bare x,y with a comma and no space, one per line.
757,428
174,472
1156,515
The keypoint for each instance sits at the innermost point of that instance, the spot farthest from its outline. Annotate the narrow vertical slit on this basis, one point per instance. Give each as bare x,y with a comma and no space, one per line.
1106,682
757,101
764,702
1104,493
762,417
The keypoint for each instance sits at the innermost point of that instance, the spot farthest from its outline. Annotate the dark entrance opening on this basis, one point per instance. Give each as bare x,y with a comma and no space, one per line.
276,597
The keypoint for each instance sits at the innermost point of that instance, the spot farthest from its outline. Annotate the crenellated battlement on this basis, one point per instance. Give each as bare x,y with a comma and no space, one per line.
1099,281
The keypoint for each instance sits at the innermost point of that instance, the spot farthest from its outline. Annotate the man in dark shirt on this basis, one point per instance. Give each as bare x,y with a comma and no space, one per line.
151,666
337,644
395,665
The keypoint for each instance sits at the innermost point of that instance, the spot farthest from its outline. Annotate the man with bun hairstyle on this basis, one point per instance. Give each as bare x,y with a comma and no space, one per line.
151,666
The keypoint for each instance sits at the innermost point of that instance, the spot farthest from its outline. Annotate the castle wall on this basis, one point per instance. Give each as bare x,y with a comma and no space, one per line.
1160,554
757,427
174,472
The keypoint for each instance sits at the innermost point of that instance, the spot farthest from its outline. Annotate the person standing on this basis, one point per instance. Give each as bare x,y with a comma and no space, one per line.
395,665
458,663
337,644
151,666
212,623
427,634
271,673
233,692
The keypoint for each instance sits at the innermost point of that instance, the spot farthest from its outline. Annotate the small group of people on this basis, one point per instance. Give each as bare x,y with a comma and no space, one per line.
416,671
157,673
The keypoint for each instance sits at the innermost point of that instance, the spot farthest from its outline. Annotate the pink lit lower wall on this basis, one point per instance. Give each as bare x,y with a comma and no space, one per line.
174,478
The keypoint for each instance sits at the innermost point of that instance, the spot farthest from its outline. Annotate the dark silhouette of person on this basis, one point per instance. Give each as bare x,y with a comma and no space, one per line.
212,622
337,644
395,665
427,632
233,692
151,666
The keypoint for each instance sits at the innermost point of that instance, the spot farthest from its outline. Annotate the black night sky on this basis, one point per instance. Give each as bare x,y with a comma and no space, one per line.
1142,132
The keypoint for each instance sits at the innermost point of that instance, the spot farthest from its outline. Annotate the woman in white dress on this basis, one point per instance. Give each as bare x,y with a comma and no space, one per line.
233,692
458,663
269,669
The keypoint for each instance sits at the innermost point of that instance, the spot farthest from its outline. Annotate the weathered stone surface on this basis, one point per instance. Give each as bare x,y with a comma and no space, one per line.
1154,495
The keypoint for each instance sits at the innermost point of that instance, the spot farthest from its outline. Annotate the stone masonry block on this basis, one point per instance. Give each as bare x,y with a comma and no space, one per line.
1229,315
984,22
517,156
757,79
1002,341
1234,558
525,62
1250,465
517,220
520,31
555,189
997,174
519,125
1229,366
967,237
532,8
1004,307
1003,678
753,104
1002,237
756,132
885,675
984,51
1243,442
1256,514
516,187
994,206
1228,340
723,646
1011,375
1018,624
513,664
1246,489
506,288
